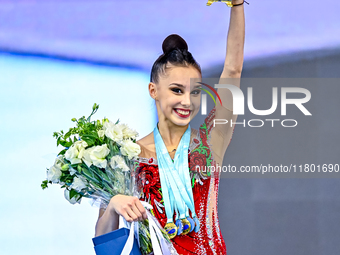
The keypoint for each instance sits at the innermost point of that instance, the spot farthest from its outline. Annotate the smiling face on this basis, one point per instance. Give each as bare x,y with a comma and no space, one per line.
177,100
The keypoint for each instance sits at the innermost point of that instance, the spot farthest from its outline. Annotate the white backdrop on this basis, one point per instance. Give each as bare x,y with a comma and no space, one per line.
40,96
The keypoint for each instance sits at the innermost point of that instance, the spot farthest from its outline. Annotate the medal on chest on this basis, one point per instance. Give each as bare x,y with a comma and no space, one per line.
176,186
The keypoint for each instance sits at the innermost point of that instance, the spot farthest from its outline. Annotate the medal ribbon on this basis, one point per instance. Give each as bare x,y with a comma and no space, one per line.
176,184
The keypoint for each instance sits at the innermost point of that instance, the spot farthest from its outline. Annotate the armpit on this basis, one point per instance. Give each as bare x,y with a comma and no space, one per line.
219,130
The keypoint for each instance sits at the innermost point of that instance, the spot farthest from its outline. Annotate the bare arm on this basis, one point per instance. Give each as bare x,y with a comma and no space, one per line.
235,42
231,74
233,63
127,206
107,221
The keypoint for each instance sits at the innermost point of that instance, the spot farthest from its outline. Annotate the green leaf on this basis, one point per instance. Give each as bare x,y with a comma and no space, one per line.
65,143
93,135
62,152
68,134
73,193
96,185
44,184
79,169
89,141
103,176
91,176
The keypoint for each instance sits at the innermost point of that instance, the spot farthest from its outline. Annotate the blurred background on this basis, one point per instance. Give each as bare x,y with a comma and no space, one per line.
57,58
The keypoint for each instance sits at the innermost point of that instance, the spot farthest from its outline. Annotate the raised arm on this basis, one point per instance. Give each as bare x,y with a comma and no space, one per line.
233,63
222,133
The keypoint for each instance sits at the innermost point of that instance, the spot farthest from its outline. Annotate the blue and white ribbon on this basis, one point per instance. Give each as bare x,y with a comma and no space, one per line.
159,248
175,178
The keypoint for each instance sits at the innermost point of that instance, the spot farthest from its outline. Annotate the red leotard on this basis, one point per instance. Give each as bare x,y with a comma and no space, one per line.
209,239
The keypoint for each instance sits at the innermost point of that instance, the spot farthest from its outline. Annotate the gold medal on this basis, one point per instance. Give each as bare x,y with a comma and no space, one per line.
229,3
171,229
186,226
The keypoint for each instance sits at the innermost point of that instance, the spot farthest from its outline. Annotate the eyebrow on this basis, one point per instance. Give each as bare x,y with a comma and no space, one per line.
180,85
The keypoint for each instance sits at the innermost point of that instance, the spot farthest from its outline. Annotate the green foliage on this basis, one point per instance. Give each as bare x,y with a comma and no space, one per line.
74,193
90,138
44,184
85,129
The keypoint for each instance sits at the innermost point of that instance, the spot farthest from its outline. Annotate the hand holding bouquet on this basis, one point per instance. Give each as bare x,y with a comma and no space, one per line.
97,162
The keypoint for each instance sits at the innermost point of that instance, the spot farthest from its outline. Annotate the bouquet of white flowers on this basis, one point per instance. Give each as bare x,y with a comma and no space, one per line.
98,162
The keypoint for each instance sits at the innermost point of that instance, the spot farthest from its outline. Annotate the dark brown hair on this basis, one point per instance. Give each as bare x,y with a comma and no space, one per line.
175,52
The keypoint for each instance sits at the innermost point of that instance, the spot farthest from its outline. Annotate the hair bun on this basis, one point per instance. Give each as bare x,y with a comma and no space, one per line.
172,42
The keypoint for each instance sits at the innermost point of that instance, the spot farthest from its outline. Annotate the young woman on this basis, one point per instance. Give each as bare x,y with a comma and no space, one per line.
177,102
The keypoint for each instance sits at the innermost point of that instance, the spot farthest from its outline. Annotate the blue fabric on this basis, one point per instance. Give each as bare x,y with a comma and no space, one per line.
113,243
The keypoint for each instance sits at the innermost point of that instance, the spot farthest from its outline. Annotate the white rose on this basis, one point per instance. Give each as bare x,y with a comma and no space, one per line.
78,184
119,162
72,155
54,173
96,156
114,131
101,133
86,156
128,132
75,152
74,199
130,149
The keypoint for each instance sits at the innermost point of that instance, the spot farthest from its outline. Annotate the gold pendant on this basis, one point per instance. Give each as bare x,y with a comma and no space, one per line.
186,226
171,229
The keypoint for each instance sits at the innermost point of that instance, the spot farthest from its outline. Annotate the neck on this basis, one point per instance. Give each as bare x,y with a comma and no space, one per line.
171,133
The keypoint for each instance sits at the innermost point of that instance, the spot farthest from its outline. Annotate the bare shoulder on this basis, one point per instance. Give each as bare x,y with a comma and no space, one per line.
147,142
